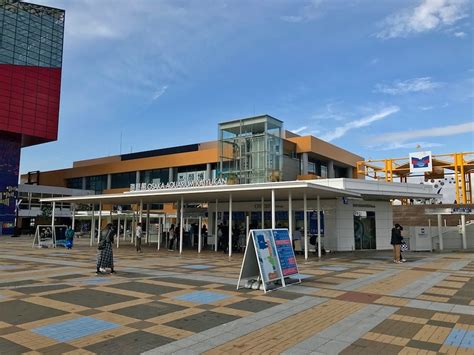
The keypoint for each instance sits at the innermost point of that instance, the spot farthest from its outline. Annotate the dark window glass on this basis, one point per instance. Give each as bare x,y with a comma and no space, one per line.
122,180
155,176
96,183
74,183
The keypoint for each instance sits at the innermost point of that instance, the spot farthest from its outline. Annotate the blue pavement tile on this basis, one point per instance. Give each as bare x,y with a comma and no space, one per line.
468,340
460,338
202,297
94,281
334,268
74,329
197,267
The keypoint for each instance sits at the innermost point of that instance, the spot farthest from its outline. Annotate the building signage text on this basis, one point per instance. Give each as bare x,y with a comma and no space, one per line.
176,185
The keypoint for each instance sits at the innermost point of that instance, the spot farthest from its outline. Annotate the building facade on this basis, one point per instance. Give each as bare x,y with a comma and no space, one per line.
249,150
31,48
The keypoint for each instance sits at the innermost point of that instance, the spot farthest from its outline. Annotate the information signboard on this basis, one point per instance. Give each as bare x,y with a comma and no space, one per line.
285,252
269,258
267,255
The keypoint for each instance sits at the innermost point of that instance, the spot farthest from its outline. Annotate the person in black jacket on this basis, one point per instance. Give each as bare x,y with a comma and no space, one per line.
396,241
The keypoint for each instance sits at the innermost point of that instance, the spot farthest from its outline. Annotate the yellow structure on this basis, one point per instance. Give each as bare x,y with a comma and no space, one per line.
461,165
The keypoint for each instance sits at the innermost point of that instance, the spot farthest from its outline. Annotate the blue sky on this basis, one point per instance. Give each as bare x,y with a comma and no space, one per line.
375,77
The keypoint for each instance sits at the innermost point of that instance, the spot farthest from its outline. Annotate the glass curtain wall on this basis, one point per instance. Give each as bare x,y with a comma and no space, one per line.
251,150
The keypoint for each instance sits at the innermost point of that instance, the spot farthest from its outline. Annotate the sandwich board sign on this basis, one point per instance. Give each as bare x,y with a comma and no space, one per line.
269,257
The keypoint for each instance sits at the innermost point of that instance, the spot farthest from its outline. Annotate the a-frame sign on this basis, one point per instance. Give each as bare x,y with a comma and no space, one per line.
269,257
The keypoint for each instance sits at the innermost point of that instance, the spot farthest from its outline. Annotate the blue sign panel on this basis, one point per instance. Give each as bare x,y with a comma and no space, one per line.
285,251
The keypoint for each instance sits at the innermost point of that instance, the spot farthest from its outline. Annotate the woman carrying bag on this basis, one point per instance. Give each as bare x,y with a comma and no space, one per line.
105,254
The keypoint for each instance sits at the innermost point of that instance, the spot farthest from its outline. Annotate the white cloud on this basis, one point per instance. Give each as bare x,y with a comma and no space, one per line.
159,92
408,145
309,12
331,112
340,131
459,34
412,85
427,16
426,108
405,136
299,130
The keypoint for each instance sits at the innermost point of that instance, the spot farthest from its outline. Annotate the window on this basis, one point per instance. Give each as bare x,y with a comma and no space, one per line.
96,183
155,176
74,183
122,180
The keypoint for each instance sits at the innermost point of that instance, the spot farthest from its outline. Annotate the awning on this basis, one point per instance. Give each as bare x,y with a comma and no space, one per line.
240,193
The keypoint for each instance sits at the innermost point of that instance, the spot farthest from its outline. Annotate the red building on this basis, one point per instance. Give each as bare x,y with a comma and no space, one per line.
31,48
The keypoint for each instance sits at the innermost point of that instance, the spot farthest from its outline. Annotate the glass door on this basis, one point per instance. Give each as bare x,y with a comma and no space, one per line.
364,230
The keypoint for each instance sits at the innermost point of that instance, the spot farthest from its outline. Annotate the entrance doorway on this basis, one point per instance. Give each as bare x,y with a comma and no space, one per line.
364,230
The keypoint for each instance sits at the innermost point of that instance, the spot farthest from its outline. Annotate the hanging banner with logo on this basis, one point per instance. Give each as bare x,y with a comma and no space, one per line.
421,162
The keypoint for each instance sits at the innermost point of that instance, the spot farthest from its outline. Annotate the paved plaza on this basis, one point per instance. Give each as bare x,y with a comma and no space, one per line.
51,302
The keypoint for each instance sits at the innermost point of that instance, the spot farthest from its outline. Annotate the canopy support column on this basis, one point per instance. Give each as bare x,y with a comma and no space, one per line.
263,214
319,225
463,231
215,227
92,226
199,234
147,240
440,233
230,226
118,231
73,223
181,221
290,216
100,222
273,210
53,230
305,225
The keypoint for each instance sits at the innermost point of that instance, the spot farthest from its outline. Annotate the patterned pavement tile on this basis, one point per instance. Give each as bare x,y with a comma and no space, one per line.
89,298
19,312
9,347
357,303
197,267
202,321
131,343
202,297
142,287
252,305
148,310
74,329
461,338
41,288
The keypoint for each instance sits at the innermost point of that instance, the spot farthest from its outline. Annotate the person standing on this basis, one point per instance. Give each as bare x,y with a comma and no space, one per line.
69,237
138,235
296,236
105,255
171,238
396,241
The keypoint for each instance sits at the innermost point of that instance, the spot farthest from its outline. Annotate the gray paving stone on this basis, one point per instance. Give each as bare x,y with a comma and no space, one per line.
463,309
333,347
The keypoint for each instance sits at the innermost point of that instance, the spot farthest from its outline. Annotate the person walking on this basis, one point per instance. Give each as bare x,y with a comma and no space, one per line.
396,241
138,235
105,255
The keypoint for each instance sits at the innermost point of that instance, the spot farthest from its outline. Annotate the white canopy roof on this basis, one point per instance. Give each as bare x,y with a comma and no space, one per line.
240,193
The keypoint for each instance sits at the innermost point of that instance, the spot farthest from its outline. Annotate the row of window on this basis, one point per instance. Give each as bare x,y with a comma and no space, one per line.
123,180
